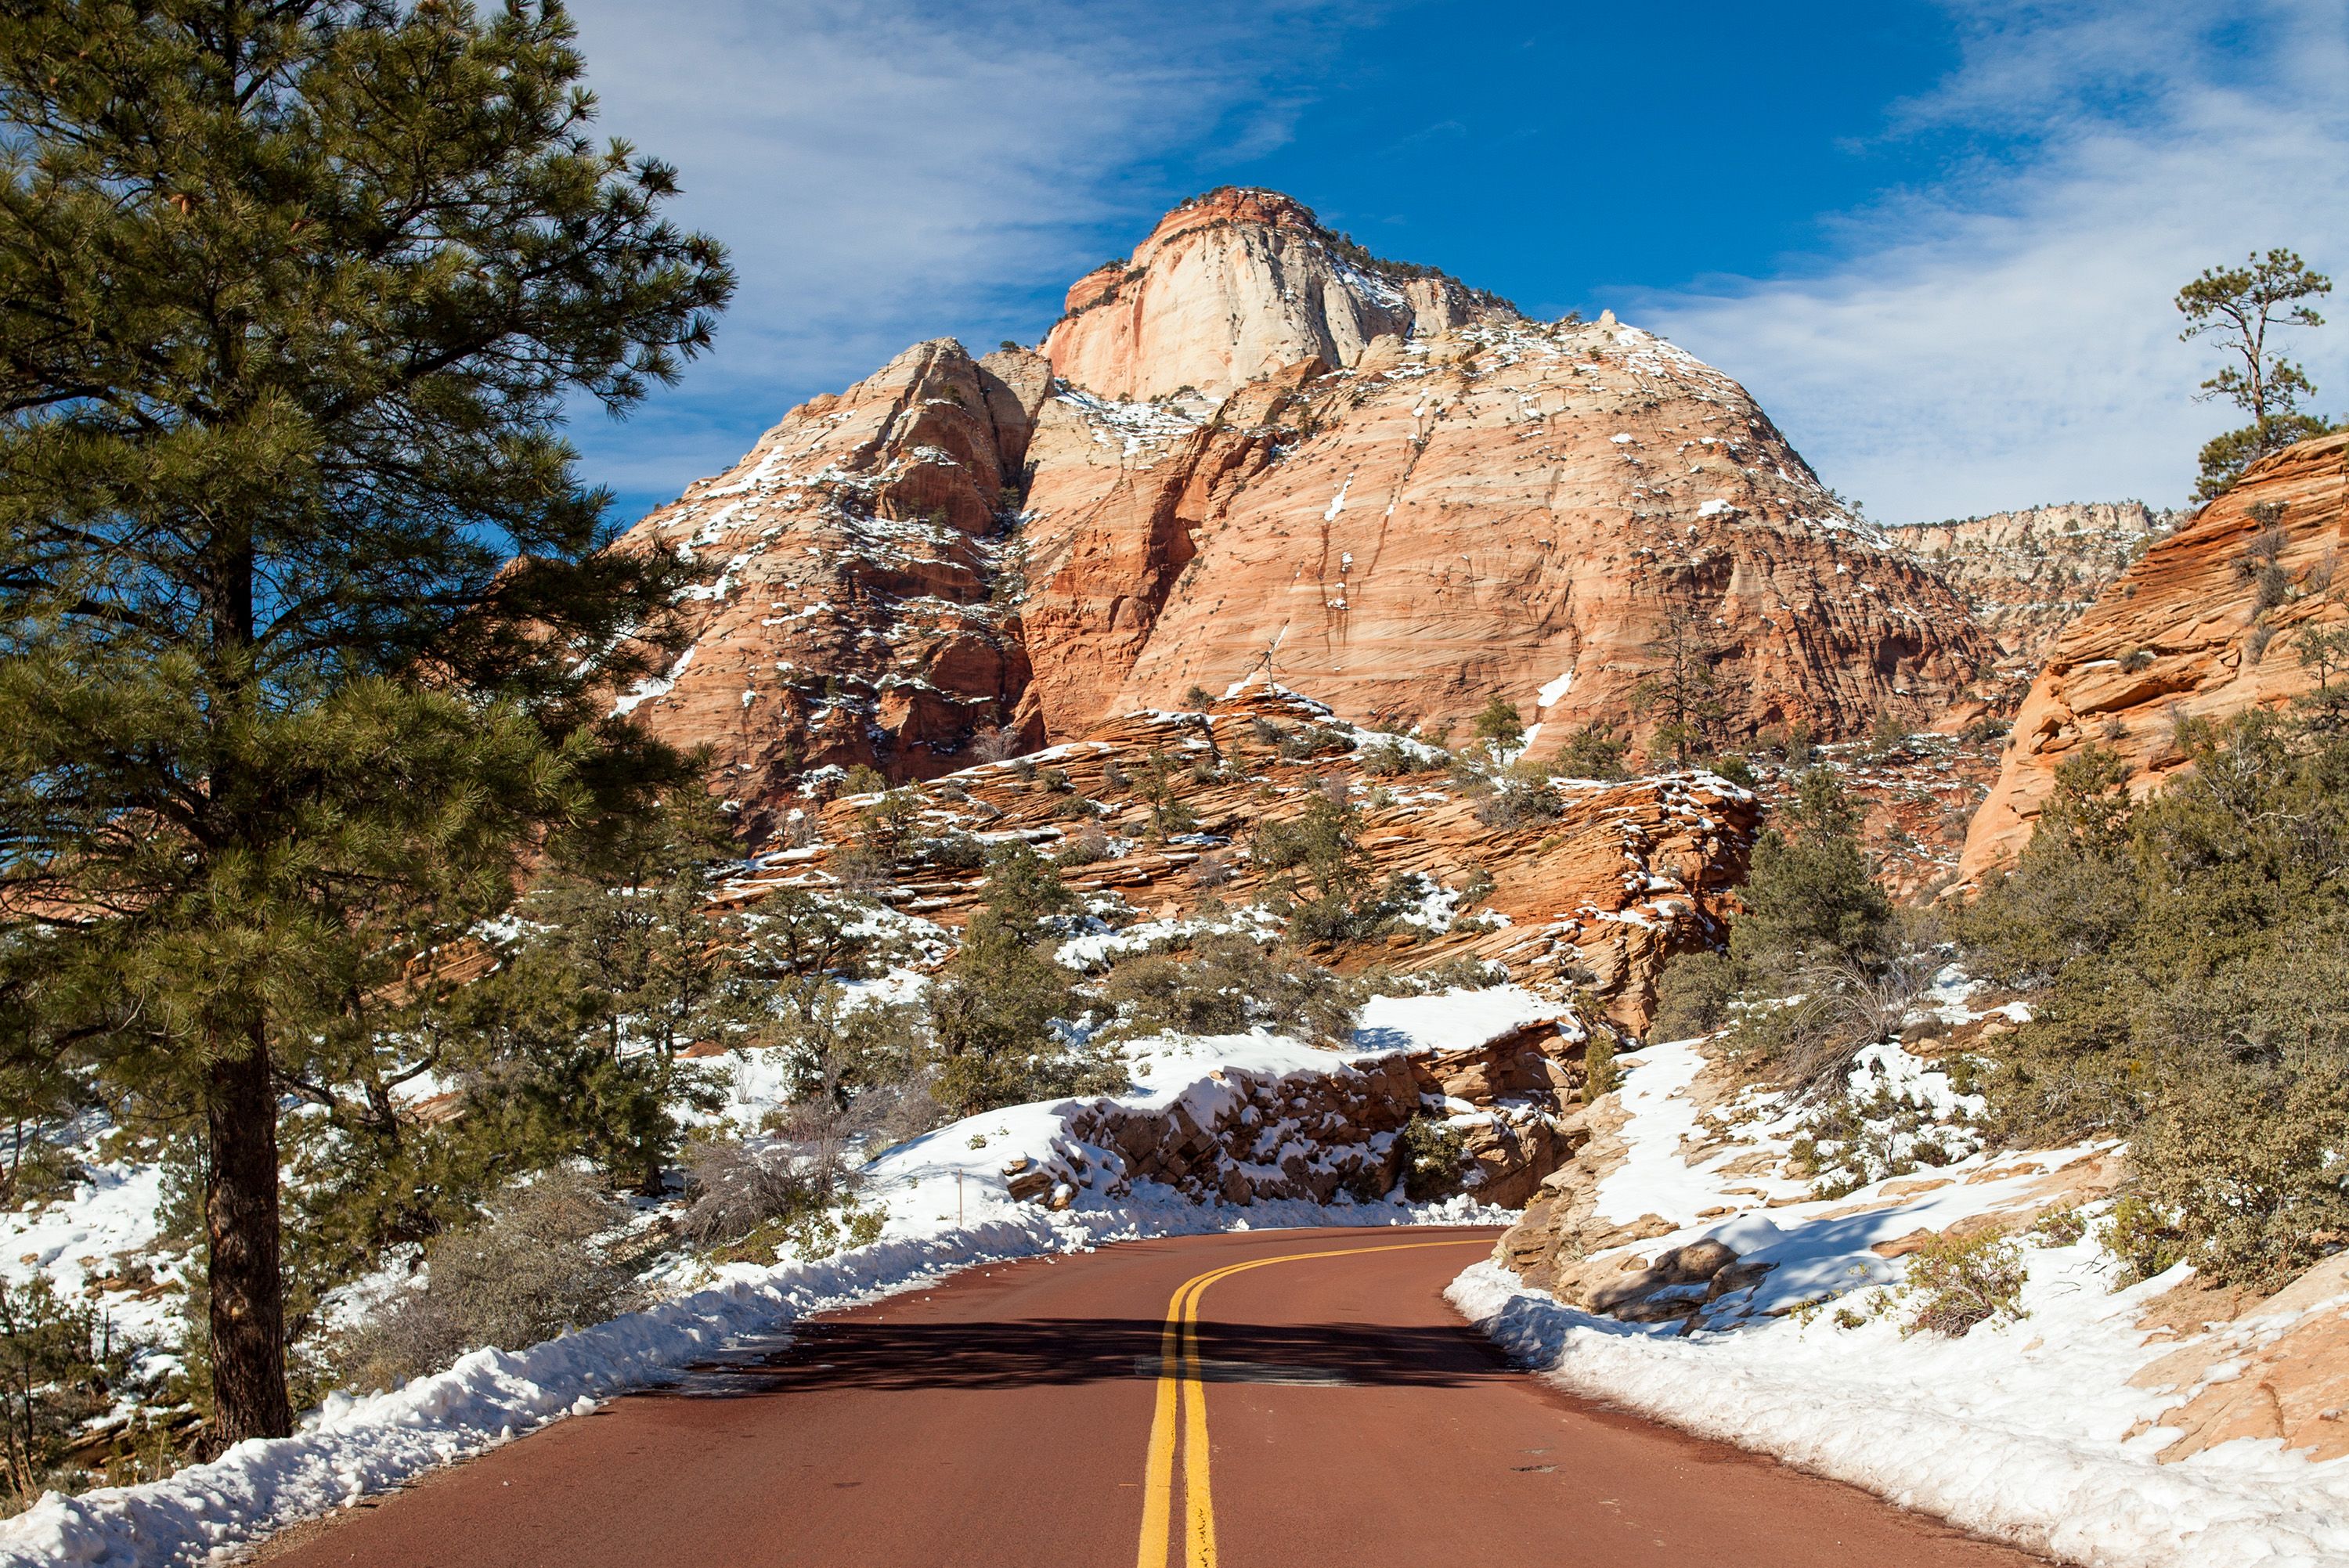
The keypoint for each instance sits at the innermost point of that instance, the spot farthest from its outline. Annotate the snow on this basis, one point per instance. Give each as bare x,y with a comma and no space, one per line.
1556,689
2028,1443
652,686
1653,1179
1337,502
1449,1020
81,1239
948,1208
2029,1431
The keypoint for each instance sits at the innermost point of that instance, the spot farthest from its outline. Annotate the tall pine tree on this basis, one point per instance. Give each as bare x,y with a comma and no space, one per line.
299,585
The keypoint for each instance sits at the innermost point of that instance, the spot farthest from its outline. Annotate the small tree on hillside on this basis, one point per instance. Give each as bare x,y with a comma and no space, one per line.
1500,727
2238,307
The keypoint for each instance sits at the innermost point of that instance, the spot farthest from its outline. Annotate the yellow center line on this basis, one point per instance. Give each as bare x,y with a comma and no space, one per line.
1181,1411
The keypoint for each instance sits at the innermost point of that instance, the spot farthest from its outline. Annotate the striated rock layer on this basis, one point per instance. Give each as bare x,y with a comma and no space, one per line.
2203,626
1432,503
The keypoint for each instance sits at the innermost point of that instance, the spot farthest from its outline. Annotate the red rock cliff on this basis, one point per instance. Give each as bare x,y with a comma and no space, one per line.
2199,627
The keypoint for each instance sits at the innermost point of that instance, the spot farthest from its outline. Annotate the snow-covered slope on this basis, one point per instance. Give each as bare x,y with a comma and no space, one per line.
2047,1429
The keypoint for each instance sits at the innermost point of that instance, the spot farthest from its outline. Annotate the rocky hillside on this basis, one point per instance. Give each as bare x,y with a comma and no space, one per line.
1435,501
2030,573
2203,625
1154,816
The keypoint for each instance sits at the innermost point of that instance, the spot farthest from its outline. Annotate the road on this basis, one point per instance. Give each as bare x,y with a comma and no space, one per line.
1268,1399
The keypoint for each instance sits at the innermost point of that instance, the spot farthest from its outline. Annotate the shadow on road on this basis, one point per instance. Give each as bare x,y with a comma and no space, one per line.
891,1355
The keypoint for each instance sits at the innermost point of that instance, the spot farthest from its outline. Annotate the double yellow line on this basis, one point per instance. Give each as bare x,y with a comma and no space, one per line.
1182,1410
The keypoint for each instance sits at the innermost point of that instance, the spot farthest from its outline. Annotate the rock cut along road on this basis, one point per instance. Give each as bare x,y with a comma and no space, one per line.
1267,1399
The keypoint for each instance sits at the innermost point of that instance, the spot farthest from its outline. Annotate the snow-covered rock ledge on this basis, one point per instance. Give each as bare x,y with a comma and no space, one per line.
2024,1433
950,1206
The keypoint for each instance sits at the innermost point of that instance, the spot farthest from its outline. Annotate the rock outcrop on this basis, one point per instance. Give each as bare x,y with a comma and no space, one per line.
2203,626
1428,502
1235,284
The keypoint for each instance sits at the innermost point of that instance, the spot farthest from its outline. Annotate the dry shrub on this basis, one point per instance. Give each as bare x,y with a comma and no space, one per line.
1957,1283
534,1267
1225,985
737,1187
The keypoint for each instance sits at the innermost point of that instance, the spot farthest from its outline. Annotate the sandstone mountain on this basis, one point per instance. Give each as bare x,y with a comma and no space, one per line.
2203,626
1391,491
2030,573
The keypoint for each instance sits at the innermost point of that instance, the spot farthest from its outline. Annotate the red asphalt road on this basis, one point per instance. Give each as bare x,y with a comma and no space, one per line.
1006,1416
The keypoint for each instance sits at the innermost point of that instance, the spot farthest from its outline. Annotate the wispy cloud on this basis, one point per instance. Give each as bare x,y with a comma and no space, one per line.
886,171
2006,335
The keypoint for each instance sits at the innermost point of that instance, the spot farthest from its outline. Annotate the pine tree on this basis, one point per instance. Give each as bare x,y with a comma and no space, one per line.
1500,727
1679,690
298,577
2240,306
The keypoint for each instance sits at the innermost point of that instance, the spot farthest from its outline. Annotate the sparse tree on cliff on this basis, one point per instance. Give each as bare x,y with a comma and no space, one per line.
2238,307
1500,727
1679,690
297,577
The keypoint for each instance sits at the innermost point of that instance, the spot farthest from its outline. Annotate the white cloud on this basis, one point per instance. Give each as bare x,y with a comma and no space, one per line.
2008,336
889,172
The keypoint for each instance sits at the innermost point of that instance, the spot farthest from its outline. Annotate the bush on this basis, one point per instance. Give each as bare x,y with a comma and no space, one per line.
1519,805
1594,752
1432,1155
1089,845
737,1189
1389,759
1198,699
1316,860
992,1015
1957,1283
1599,1074
534,1267
1889,734
957,851
1809,899
2189,957
1499,727
1693,995
59,1365
1225,984
2147,1241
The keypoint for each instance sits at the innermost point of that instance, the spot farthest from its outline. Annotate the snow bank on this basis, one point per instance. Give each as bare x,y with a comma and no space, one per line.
2020,1432
2029,1431
948,1208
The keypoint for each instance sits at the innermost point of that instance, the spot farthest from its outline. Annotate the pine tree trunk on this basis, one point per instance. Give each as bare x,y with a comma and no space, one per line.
248,1302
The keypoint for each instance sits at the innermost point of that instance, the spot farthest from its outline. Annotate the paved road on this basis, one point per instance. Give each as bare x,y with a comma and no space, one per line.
1274,1399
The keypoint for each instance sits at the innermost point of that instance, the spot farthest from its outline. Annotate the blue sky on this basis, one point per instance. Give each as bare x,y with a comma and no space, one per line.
1937,240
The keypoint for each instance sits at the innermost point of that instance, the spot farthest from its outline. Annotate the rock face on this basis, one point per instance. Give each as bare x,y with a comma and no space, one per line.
2030,573
2286,1373
849,608
1393,492
1232,286
2201,627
